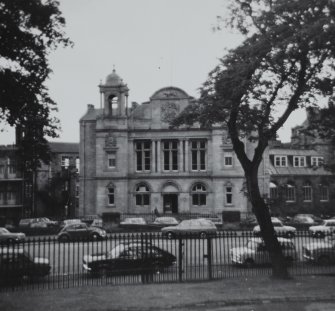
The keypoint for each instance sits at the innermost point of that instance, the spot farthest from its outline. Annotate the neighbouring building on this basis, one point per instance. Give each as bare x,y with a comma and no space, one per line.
132,162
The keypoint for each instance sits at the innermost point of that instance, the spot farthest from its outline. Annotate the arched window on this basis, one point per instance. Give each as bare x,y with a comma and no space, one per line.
290,192
307,192
142,195
273,190
199,195
111,195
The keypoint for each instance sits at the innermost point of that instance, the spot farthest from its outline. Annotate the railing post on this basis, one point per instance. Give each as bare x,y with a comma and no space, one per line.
180,259
209,257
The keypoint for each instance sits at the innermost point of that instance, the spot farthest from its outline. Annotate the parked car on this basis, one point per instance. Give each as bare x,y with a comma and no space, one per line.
193,227
280,229
165,221
327,227
129,258
41,222
80,231
321,252
16,263
134,223
303,221
255,252
70,222
11,237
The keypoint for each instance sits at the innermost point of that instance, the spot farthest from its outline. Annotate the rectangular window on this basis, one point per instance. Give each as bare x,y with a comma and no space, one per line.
78,164
111,196
316,161
307,193
290,193
65,162
77,190
229,195
11,166
198,152
228,159
143,156
299,161
324,194
170,155
112,160
281,161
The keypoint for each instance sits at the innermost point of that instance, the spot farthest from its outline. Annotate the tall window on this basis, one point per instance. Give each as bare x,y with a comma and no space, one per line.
78,164
142,195
299,161
111,160
65,162
316,161
199,195
273,191
143,156
170,152
11,166
111,195
307,192
229,195
324,193
290,193
228,159
198,150
281,161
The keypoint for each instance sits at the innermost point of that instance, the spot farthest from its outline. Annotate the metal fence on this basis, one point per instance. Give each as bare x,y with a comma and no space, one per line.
26,265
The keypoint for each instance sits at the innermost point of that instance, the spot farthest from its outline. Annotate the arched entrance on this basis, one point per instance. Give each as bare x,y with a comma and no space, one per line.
170,198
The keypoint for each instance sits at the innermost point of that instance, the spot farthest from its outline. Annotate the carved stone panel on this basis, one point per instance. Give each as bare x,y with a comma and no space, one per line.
169,111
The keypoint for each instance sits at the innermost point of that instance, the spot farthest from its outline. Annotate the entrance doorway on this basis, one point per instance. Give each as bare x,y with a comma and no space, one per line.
170,203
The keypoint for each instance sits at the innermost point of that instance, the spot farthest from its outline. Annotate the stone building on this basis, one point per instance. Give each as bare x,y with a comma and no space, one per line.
132,162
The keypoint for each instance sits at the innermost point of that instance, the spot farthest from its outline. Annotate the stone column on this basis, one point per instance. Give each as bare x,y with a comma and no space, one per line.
187,169
153,156
180,156
158,156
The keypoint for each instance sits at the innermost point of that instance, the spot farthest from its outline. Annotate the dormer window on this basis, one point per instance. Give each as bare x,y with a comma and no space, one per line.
280,161
317,161
299,161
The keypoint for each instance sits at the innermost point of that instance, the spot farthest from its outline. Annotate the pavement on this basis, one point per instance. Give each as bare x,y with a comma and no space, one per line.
309,293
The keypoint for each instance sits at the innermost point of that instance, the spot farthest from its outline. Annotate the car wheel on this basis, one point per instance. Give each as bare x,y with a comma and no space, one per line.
319,235
170,235
249,263
63,238
203,235
289,235
324,260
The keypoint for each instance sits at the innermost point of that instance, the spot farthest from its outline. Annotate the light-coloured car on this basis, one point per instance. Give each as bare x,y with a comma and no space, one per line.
327,227
321,252
193,227
280,229
255,252
133,221
165,220
11,237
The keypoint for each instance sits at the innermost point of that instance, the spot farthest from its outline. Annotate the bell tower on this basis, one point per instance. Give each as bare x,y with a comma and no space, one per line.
114,96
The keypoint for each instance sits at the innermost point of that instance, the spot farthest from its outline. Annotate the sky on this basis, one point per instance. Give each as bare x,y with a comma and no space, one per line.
151,43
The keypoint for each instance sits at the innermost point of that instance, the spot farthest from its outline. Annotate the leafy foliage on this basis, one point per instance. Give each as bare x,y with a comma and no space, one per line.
29,30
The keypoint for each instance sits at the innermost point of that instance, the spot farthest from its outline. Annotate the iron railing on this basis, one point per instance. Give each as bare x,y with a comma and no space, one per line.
195,259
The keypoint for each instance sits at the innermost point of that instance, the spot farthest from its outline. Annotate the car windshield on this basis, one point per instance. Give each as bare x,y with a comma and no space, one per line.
3,231
116,251
253,245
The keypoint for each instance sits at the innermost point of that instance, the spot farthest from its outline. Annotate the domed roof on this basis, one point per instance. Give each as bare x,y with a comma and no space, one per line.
113,79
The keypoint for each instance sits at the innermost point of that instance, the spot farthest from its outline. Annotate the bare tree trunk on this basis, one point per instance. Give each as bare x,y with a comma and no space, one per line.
261,210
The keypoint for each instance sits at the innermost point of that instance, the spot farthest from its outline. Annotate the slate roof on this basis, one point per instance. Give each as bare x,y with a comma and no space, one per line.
60,147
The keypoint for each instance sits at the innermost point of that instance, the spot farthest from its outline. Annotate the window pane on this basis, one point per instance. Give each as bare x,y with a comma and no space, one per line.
202,199
146,199
194,160
139,161
175,160
166,160
195,199
138,199
202,160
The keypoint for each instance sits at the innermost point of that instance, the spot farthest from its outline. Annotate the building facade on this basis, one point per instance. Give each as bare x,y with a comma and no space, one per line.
132,162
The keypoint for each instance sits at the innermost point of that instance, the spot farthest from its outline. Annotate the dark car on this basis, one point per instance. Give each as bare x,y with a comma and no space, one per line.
303,221
80,231
11,237
129,258
17,263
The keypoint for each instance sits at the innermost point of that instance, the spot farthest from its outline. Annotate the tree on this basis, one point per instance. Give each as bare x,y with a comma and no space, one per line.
29,30
285,62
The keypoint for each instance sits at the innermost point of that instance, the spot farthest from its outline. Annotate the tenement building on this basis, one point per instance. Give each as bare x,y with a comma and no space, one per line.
132,162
